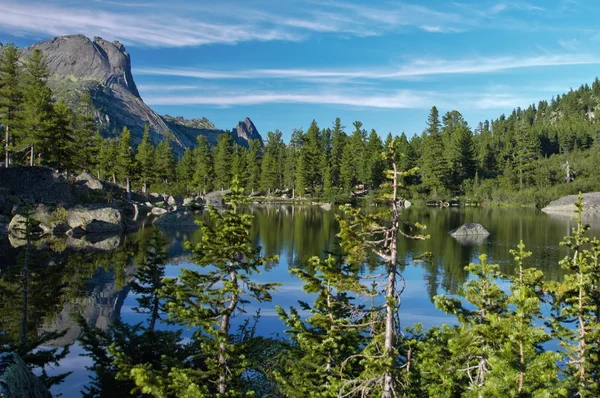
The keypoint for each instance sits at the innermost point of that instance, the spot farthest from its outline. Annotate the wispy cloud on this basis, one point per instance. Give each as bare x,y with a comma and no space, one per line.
149,23
571,44
413,69
391,99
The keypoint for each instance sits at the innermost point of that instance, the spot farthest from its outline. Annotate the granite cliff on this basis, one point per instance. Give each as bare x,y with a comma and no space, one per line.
79,65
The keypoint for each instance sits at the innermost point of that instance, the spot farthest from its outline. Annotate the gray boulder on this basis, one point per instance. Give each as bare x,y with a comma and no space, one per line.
174,200
177,220
566,205
469,229
159,211
17,380
88,180
217,198
96,219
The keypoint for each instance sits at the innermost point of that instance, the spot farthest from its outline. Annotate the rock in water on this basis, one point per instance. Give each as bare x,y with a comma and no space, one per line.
17,380
566,205
469,229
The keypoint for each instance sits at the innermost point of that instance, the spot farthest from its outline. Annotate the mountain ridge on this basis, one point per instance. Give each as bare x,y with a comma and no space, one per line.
80,65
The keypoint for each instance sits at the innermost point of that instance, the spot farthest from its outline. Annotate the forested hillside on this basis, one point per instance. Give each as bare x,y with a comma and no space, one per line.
553,145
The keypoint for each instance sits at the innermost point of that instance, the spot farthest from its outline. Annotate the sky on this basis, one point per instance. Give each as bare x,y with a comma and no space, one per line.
284,63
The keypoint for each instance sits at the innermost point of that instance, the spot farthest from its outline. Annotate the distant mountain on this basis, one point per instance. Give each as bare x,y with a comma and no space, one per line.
246,131
102,68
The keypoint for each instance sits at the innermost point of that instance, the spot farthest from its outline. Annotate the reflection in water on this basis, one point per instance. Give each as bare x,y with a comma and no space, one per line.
89,277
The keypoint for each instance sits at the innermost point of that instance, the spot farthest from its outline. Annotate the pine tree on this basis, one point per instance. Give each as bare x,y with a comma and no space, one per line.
36,118
462,161
84,130
271,174
185,169
325,340
164,163
207,299
11,96
145,160
203,175
575,309
352,158
434,167
338,140
362,235
253,165
374,165
124,160
223,159
60,155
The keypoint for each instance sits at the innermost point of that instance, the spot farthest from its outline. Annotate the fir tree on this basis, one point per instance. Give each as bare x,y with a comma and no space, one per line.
207,299
124,160
145,159
203,174
11,96
36,117
60,155
223,157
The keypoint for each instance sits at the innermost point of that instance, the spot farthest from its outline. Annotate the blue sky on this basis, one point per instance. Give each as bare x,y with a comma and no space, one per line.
283,63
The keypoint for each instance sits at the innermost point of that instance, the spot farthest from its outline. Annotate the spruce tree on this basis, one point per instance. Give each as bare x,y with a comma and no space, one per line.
84,130
61,154
11,97
203,174
253,166
185,170
124,160
223,157
363,235
575,309
36,118
338,140
145,160
164,163
317,365
206,299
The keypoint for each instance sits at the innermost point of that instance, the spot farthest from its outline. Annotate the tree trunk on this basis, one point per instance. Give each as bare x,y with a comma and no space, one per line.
225,324
31,156
6,147
114,178
155,312
390,324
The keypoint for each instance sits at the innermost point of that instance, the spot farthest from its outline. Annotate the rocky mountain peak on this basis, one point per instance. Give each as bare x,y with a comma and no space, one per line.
246,131
78,58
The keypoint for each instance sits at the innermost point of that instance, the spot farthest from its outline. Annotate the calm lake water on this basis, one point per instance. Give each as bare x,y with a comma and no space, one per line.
93,283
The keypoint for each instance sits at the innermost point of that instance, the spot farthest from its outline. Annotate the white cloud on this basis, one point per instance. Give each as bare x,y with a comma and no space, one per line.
414,69
377,99
148,23
571,44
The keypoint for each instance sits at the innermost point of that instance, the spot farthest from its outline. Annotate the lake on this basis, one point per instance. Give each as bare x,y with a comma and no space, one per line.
93,283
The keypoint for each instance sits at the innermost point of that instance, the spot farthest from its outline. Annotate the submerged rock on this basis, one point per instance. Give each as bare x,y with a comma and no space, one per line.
469,229
17,380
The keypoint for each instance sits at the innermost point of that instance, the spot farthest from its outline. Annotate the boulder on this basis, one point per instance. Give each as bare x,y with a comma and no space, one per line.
193,203
158,211
88,180
469,229
326,206
217,198
174,200
36,185
17,380
566,205
177,219
96,218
